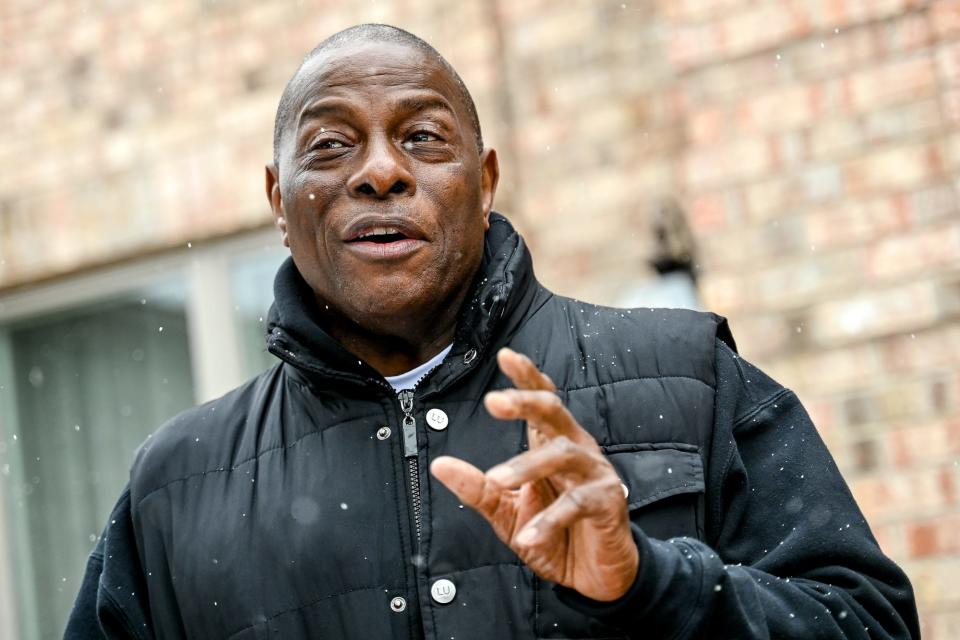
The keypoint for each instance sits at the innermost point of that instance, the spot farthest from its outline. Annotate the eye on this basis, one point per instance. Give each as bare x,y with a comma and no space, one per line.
423,136
329,144
420,137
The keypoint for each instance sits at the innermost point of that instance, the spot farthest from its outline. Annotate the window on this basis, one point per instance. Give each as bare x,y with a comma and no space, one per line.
252,287
88,368
87,385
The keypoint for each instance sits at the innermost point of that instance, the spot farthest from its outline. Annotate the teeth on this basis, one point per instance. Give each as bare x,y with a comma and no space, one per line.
380,231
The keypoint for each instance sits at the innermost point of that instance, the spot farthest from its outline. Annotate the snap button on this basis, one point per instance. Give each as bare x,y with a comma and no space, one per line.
469,356
398,604
437,419
383,433
443,591
626,490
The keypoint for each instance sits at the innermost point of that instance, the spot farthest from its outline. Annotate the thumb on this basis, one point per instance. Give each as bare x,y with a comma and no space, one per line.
462,478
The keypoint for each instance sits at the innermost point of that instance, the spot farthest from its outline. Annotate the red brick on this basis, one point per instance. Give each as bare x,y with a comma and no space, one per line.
922,351
950,103
948,62
789,150
930,205
952,151
894,82
830,54
708,212
953,435
822,182
697,10
727,163
759,27
831,97
823,412
939,623
842,14
916,254
923,540
892,538
893,169
691,45
907,32
908,495
784,108
838,370
923,443
945,17
766,199
793,284
877,312
855,221
767,333
707,126
902,121
835,138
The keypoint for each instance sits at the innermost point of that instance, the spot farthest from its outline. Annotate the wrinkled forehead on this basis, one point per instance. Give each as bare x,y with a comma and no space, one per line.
373,66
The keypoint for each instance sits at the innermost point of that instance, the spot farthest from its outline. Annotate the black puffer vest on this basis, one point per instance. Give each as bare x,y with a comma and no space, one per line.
300,506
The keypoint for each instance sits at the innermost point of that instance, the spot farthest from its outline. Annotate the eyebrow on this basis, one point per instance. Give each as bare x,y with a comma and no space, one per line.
425,103
320,108
415,104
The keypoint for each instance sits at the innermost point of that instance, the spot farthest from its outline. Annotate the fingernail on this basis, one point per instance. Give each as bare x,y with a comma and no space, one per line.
526,536
500,475
498,401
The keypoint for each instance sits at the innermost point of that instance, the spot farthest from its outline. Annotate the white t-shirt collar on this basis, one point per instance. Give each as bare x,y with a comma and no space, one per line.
410,379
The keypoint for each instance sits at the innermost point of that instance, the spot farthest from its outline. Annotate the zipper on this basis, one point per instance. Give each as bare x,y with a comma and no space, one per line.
410,453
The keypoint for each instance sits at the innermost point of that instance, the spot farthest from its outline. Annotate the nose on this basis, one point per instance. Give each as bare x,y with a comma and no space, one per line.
382,172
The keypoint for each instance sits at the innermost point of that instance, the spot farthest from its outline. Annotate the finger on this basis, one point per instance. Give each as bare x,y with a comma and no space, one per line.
522,372
468,483
597,498
541,406
543,409
558,457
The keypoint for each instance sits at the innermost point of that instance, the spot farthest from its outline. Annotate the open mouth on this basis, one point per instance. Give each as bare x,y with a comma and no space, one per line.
380,235
384,240
384,237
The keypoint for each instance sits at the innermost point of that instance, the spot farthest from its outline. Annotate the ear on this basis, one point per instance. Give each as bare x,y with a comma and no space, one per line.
276,202
489,177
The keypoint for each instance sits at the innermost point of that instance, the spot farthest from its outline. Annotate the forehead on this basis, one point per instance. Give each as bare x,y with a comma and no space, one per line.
371,68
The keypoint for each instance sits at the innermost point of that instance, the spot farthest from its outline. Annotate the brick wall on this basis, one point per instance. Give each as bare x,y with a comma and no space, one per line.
820,173
814,145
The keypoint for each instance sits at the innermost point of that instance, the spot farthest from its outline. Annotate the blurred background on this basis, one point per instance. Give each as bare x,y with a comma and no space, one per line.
792,165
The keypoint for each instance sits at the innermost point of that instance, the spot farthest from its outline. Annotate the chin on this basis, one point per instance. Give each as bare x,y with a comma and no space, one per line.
384,310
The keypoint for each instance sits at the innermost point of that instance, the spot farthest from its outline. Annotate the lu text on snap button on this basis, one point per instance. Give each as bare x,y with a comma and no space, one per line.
437,419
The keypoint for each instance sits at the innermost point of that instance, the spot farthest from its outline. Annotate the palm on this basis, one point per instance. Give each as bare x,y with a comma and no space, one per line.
578,556
559,506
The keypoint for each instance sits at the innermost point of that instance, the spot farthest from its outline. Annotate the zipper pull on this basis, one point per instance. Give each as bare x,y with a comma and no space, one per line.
409,424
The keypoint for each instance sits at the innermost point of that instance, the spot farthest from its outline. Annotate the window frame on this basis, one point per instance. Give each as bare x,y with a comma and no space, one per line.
215,358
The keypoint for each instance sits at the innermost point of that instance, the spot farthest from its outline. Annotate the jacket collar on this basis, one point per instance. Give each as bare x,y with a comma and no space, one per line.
503,290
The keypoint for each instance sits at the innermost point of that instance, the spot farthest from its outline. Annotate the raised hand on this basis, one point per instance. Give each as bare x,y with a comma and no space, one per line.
559,505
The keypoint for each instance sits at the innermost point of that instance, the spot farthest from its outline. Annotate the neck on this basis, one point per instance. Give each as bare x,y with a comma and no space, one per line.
392,355
402,343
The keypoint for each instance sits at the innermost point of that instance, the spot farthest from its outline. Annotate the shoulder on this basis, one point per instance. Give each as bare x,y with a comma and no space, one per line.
661,324
206,437
617,343
743,388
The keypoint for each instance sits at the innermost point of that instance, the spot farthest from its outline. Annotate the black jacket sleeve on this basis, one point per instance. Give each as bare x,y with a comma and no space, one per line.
788,554
112,598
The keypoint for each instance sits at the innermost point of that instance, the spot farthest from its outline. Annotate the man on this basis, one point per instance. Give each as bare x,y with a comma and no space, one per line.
642,480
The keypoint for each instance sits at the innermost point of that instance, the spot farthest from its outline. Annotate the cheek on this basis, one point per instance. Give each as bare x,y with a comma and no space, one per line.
303,206
311,188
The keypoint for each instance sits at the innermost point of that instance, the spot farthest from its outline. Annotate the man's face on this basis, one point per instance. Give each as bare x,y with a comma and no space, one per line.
382,194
